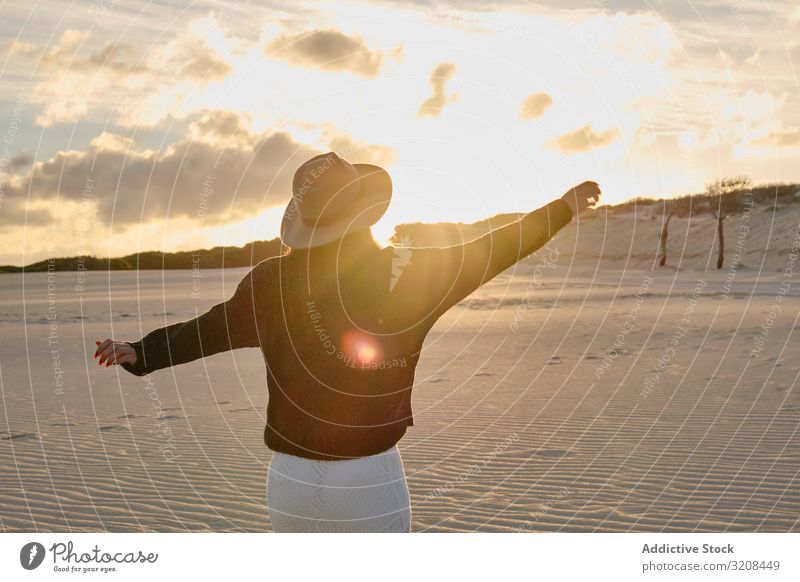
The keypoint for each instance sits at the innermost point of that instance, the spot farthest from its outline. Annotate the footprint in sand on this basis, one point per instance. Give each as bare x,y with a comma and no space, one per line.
17,436
112,427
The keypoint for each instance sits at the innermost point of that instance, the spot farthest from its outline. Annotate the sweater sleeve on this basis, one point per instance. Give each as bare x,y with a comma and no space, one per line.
445,276
226,326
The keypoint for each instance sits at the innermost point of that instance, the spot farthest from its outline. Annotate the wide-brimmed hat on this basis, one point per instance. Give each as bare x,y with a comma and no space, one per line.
331,198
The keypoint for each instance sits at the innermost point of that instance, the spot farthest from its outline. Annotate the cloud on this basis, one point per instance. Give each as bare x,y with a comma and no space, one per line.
788,139
583,140
63,52
66,99
112,142
115,58
221,171
327,49
18,47
534,106
20,161
16,212
221,127
192,58
434,105
74,77
132,185
359,152
188,56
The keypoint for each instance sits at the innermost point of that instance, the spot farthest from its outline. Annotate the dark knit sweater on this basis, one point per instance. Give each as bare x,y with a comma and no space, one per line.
341,350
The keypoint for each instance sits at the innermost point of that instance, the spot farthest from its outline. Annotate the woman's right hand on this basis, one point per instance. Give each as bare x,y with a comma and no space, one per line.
582,196
113,352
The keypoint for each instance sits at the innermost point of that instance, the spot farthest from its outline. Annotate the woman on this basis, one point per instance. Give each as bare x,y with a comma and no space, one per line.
341,322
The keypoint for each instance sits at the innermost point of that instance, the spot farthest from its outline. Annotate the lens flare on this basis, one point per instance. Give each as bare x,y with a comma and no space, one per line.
361,347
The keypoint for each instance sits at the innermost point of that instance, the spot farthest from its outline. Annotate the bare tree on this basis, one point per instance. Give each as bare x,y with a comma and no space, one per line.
724,199
682,207
662,243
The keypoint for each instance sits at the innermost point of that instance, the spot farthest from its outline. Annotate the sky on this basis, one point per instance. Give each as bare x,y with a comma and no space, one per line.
129,126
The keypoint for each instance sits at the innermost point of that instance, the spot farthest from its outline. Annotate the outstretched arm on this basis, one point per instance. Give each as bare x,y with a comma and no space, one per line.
226,326
447,275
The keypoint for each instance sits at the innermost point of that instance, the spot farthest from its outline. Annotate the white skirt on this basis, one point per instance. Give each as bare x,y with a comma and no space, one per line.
368,494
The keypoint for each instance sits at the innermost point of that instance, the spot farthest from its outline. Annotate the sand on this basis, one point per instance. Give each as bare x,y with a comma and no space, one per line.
582,392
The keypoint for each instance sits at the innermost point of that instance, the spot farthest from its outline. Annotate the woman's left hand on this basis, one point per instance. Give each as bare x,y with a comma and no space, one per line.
582,196
113,352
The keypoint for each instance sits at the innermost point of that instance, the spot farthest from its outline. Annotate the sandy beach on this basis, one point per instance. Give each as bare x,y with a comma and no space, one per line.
581,391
